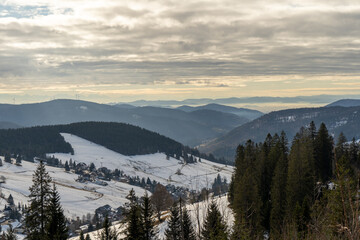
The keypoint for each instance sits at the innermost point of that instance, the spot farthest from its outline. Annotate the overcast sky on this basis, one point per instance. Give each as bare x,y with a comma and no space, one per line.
118,50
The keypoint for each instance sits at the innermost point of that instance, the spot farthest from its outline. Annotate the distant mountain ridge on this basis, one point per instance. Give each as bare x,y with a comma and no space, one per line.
345,103
189,128
320,99
337,119
241,112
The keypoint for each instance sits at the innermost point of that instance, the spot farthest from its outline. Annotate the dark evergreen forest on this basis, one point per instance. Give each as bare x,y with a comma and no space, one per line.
309,191
119,137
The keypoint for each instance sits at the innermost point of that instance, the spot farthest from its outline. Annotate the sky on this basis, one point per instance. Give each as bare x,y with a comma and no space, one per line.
118,51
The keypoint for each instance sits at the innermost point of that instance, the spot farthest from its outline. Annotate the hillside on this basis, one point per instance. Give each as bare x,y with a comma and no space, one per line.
337,119
187,128
345,103
122,138
249,114
80,198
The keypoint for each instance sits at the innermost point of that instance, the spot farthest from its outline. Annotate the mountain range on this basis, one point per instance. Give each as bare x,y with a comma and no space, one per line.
190,128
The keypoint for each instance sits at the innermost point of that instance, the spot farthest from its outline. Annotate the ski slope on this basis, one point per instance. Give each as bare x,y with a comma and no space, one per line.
155,166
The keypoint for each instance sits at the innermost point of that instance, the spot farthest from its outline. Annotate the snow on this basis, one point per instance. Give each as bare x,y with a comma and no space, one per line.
286,119
77,199
196,211
155,166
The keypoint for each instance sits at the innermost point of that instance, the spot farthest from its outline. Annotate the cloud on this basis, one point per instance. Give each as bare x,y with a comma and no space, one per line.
157,42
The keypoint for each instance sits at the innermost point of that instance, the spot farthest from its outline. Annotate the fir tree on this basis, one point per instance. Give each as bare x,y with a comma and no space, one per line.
187,226
56,228
87,237
173,232
81,237
147,214
323,148
67,167
40,195
300,181
278,196
107,232
214,227
134,229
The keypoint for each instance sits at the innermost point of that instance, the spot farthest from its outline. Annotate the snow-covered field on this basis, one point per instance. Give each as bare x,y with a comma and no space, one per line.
77,199
197,212
155,166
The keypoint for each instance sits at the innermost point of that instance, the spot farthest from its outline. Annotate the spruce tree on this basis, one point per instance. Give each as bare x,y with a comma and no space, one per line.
134,229
87,237
108,233
40,194
300,181
187,226
278,196
173,232
147,214
323,148
214,227
81,237
56,228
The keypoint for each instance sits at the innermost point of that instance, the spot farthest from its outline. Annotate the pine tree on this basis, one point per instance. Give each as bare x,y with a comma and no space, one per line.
87,237
40,195
214,227
134,229
173,232
56,228
147,214
108,233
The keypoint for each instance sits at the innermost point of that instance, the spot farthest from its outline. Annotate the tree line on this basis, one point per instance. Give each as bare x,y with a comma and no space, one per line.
120,137
309,191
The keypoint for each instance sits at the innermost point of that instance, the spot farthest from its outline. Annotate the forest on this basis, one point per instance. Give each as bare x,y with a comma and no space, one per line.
119,137
307,191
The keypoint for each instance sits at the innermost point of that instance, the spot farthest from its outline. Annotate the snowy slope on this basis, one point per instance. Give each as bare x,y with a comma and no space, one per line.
197,211
77,199
155,166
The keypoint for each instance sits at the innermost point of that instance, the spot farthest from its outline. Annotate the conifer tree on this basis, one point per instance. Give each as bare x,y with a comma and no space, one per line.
56,228
67,167
134,229
173,232
36,215
81,237
278,196
340,148
87,237
147,214
323,148
214,227
187,226
300,181
108,233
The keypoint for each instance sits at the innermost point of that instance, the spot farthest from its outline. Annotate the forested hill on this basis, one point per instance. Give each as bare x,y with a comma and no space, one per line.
338,119
122,138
